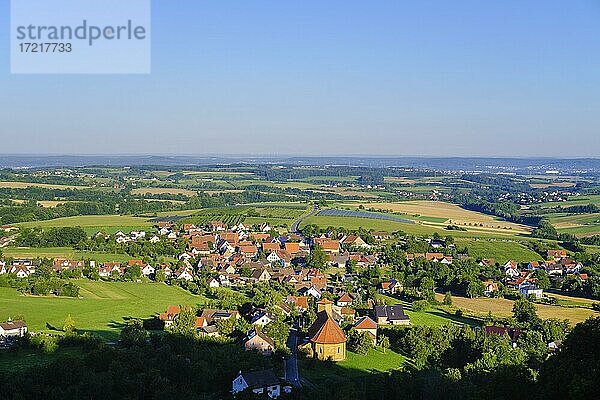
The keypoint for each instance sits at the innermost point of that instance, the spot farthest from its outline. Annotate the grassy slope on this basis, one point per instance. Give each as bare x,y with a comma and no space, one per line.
102,308
353,367
498,250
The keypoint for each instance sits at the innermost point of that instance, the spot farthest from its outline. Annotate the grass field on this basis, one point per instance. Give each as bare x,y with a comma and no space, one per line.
501,251
103,307
22,185
62,252
95,223
25,359
153,190
354,366
578,224
503,308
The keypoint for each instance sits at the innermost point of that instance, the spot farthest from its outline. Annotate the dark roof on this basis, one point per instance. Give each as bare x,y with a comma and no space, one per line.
10,325
393,313
260,379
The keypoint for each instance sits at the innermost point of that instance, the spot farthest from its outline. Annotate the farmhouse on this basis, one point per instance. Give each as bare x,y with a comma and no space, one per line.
354,240
61,264
13,329
259,341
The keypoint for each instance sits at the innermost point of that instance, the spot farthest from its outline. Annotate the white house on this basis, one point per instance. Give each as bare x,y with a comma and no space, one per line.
511,269
184,273
261,318
22,271
213,283
528,289
13,329
154,239
259,382
148,270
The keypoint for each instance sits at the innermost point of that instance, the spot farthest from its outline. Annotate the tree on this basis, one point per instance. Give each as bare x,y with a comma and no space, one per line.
317,258
475,289
185,322
426,288
525,313
384,342
573,372
69,324
160,275
555,329
361,342
542,279
278,331
532,343
448,299
133,334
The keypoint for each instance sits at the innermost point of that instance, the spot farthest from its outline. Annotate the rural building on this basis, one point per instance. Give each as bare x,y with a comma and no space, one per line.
259,382
258,340
391,315
13,329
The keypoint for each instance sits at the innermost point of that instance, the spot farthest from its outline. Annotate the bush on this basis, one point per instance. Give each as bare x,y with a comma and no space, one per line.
420,305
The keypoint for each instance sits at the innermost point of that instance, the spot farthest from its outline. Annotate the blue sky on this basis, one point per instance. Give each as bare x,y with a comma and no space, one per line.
444,78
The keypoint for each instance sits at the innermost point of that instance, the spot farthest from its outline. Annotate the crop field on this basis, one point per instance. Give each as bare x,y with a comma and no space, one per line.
419,227
332,212
445,213
278,215
103,307
574,201
369,224
499,250
62,252
94,223
155,190
578,224
503,308
22,185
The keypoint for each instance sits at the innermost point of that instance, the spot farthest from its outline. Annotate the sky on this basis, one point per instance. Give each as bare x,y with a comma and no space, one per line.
301,77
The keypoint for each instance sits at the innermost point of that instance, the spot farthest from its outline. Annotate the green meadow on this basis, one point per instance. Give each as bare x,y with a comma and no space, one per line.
499,250
95,223
103,307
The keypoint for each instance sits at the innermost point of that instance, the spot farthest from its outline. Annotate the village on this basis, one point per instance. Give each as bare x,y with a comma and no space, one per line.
325,312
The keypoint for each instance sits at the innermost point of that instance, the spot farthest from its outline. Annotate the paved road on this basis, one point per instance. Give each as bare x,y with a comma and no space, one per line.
297,222
291,363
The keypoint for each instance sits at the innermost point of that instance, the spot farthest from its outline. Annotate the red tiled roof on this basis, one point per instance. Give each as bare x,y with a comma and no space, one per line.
366,323
325,331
